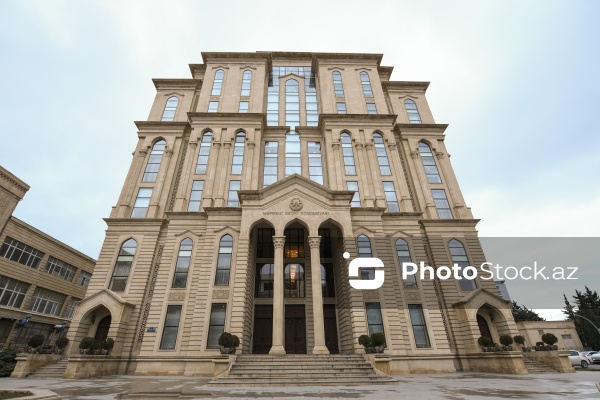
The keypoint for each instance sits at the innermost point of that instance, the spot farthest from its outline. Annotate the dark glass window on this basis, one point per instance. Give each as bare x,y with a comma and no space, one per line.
238,153
153,165
366,84
403,254
374,319
61,269
217,324
21,253
183,263
47,301
325,247
224,261
459,256
390,197
412,111
33,328
12,292
294,280
337,84
441,203
264,280
169,335
315,164
327,282
140,207
348,153
419,326
270,172
196,196
264,243
203,153
218,83
382,158
170,108
123,266
294,243
433,175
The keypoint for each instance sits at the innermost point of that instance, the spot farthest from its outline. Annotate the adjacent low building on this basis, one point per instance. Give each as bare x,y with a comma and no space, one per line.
41,278
565,331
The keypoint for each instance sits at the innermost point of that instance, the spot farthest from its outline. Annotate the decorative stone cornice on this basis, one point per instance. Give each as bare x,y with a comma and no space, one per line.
14,182
193,84
405,85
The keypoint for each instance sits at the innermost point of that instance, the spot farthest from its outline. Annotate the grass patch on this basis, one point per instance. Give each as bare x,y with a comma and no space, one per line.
5,394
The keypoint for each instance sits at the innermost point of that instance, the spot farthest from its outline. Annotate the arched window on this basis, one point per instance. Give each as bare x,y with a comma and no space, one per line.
292,103
403,254
183,263
459,256
170,108
433,175
154,161
218,83
123,266
382,158
366,84
224,261
203,153
364,250
294,280
338,87
238,153
412,111
293,162
348,153
246,83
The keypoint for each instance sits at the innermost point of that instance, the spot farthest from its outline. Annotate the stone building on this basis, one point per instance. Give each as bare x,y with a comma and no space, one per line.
40,276
248,183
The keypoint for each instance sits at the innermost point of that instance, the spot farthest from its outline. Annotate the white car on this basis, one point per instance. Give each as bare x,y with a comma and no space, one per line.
594,357
577,359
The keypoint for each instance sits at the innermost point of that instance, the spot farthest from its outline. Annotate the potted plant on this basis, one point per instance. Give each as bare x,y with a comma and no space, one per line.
550,340
229,343
506,342
87,345
373,344
61,343
35,342
520,340
485,342
365,341
106,345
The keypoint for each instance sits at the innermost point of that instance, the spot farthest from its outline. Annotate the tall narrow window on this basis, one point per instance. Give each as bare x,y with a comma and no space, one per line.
270,171
403,254
353,185
412,111
203,153
273,98
419,325
218,83
294,243
459,256
154,161
264,243
246,83
217,324
325,247
238,153
441,203
390,197
183,263
293,163
433,176
371,108
294,283
348,153
374,319
315,165
140,207
123,266
232,197
224,261
338,87
364,250
341,107
310,95
169,335
292,103
264,280
366,84
170,108
327,282
382,158
213,106
196,196
243,108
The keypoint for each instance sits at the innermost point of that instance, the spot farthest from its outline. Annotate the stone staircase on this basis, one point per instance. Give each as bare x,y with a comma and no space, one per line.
537,367
54,371
299,370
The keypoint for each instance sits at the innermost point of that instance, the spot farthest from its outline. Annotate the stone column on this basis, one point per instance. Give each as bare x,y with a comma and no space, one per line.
278,306
315,265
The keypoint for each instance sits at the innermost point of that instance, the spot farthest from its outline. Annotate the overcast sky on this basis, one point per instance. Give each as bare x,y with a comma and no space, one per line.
518,83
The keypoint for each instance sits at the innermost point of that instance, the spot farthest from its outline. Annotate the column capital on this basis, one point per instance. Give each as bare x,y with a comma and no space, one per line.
314,242
142,153
278,242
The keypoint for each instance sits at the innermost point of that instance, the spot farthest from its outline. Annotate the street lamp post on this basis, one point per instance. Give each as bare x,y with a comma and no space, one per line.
598,329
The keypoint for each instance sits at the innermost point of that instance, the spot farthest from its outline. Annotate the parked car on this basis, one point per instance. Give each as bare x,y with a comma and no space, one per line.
595,357
588,354
577,359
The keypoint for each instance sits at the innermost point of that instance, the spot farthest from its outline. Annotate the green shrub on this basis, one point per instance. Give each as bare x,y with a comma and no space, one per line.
539,344
87,343
549,339
506,340
226,340
519,340
365,341
36,340
378,339
236,341
107,344
484,341
62,342
8,360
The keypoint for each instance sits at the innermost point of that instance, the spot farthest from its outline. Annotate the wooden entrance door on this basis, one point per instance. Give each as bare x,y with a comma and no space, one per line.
263,329
484,329
295,329
330,322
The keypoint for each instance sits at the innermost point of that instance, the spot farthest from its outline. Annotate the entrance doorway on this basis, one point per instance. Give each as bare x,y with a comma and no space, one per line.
263,329
103,328
330,322
295,329
484,329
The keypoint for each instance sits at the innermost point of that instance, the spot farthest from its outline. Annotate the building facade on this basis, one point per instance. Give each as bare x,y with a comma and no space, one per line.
248,184
565,332
41,278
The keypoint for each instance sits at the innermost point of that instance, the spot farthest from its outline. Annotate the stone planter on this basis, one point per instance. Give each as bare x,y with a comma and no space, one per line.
494,349
374,349
228,350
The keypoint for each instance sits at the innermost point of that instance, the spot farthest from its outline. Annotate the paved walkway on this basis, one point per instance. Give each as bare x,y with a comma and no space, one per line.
580,385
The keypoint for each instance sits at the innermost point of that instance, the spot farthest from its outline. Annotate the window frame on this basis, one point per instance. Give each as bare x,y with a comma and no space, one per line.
222,264
209,335
239,147
170,327
129,266
183,270
423,325
218,80
204,145
346,143
170,109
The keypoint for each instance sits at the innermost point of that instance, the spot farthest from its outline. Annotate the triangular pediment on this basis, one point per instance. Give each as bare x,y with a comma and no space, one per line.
478,297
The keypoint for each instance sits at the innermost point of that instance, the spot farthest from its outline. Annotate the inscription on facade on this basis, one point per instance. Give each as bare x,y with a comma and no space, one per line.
295,212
